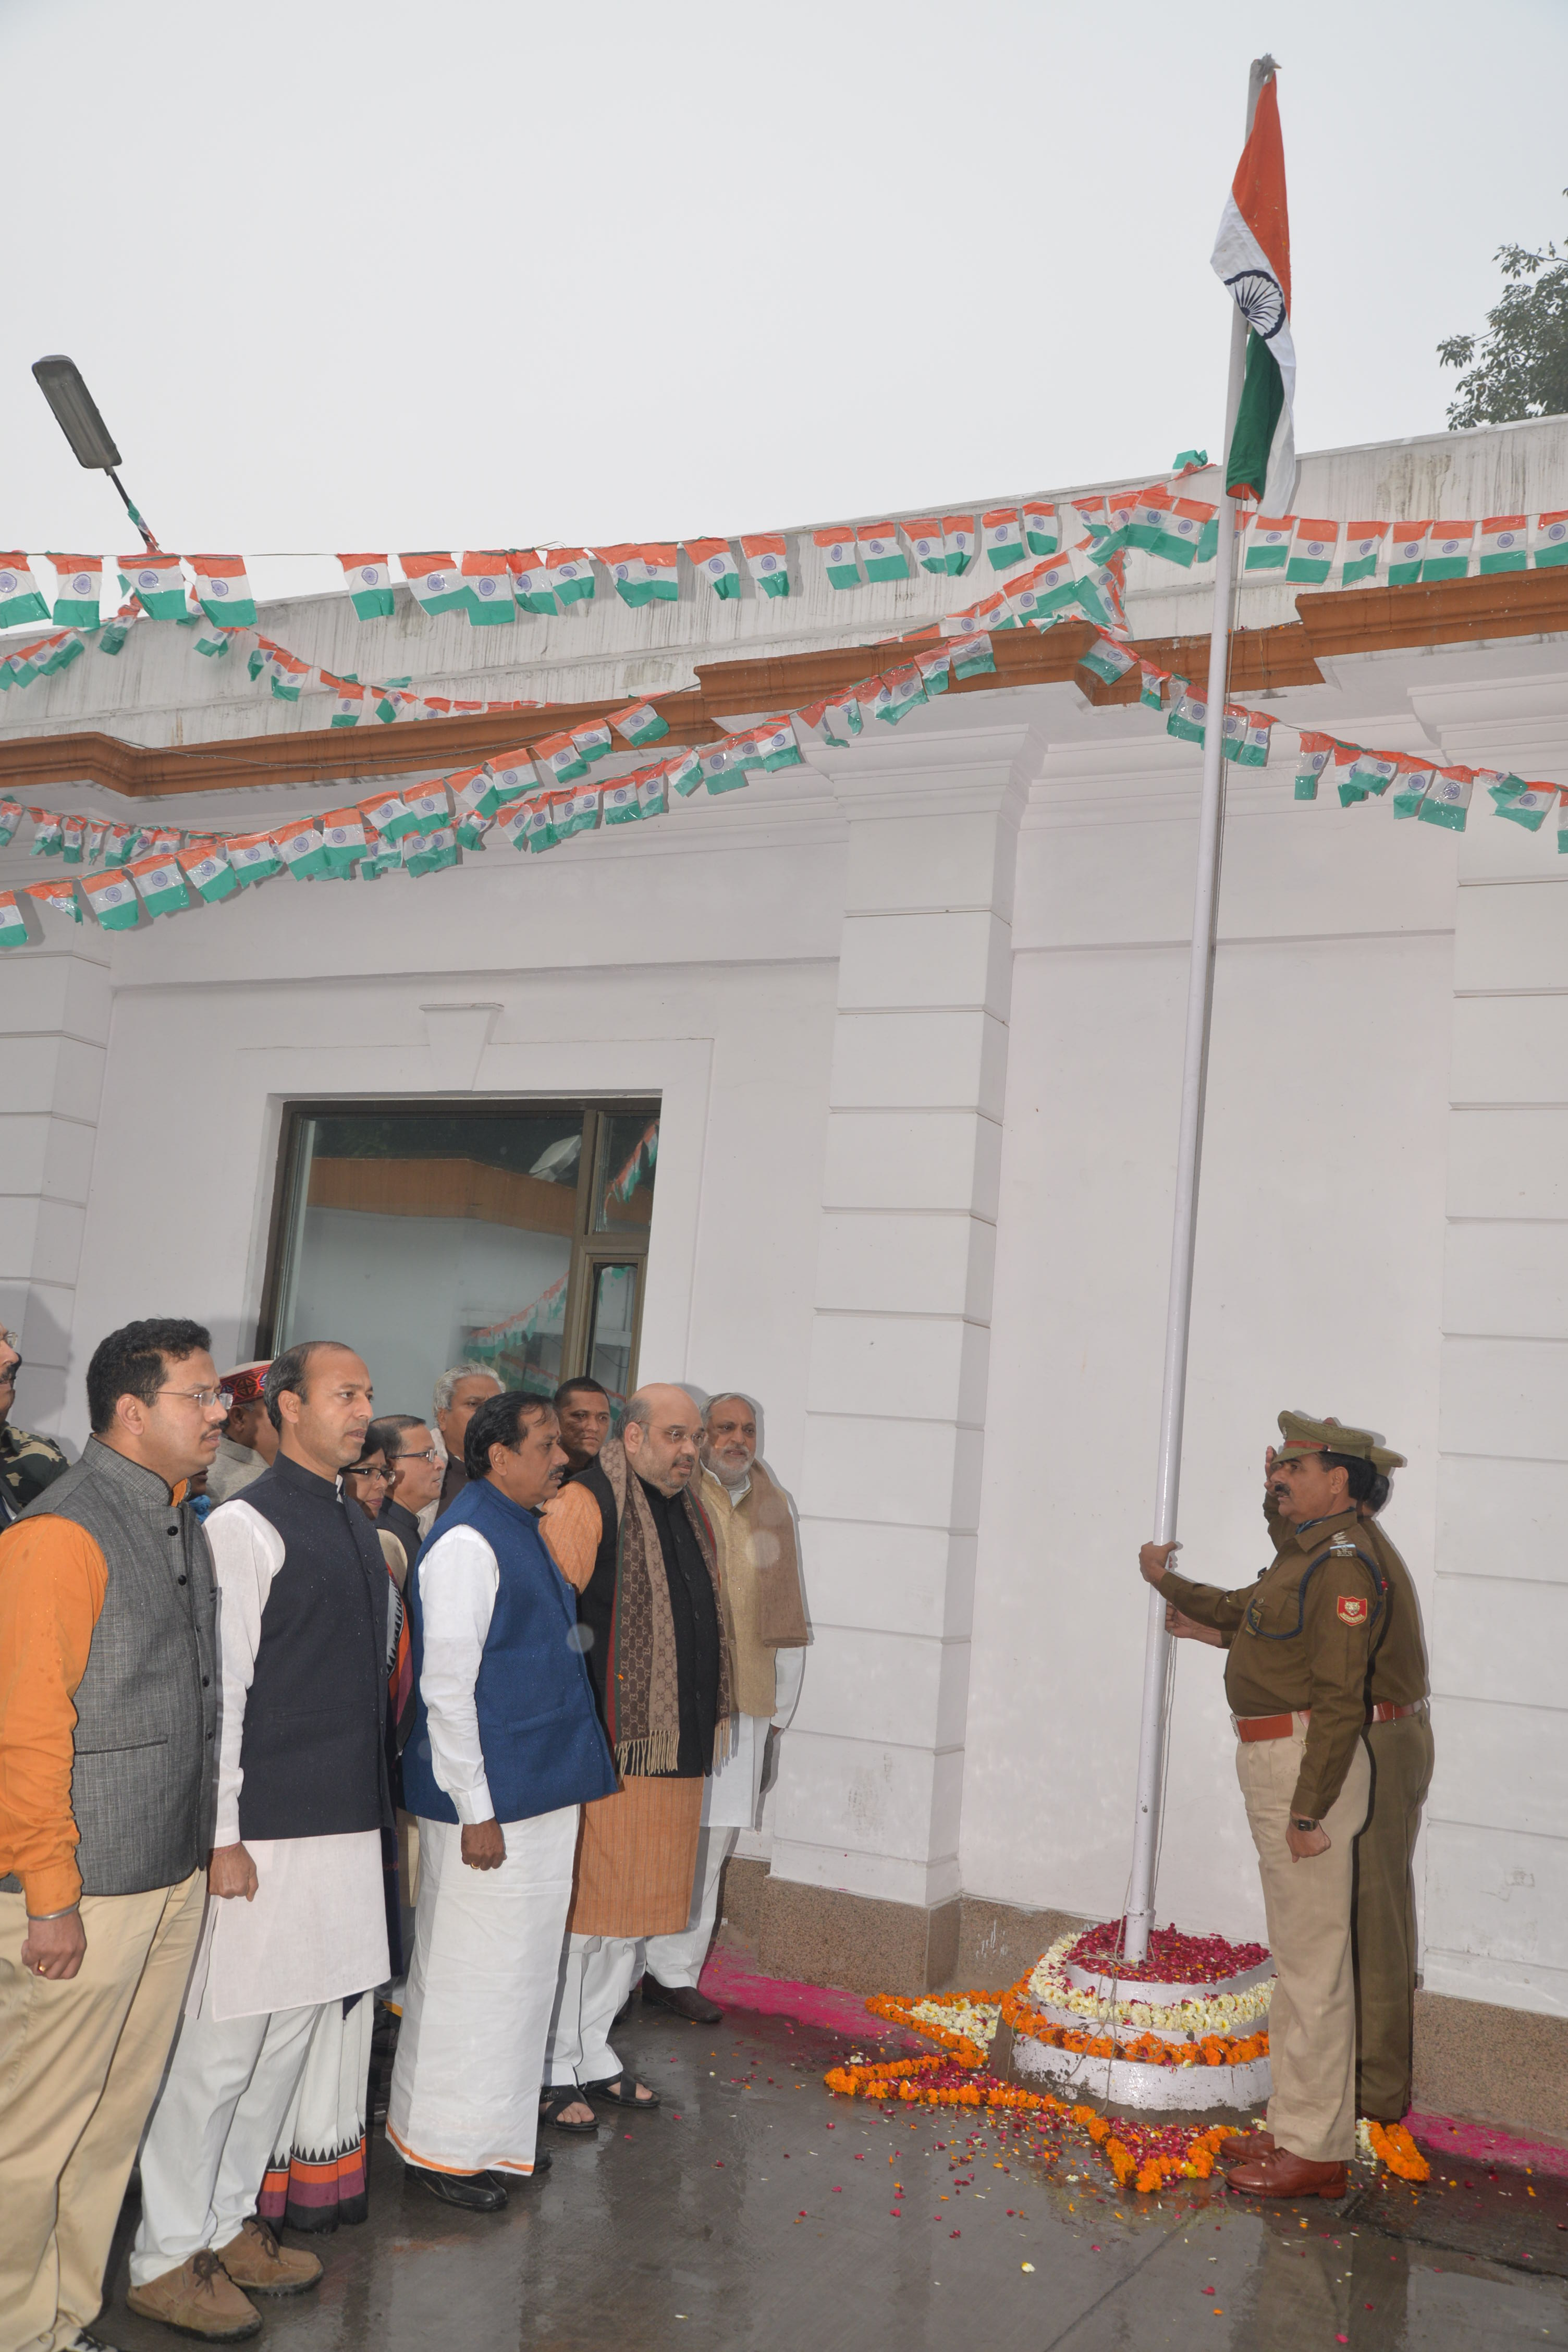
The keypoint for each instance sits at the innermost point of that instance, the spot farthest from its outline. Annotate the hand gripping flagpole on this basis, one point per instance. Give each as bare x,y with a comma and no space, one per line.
1194,1075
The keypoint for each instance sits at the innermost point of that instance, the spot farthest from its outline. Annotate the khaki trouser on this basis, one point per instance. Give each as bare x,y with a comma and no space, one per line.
1386,1915
80,2062
1311,2017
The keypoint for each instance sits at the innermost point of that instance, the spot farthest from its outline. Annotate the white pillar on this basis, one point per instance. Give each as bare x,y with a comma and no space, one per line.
865,1854
54,1031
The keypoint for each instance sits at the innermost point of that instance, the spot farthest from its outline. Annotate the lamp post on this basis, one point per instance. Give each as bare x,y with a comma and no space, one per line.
75,414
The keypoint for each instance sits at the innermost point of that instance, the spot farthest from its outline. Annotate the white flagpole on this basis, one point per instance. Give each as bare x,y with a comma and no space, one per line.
1194,1075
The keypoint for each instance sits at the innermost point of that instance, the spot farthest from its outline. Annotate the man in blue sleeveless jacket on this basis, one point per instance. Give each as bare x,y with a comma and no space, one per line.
505,1746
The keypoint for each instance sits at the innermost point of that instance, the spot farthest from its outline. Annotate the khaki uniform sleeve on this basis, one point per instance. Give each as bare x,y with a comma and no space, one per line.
571,1528
1338,1631
1205,1604
52,1581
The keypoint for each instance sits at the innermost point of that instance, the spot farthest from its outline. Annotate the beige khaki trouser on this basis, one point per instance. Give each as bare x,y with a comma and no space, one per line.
1311,2017
80,2062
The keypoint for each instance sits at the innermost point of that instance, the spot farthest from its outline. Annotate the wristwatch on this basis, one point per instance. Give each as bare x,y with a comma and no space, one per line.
1297,1823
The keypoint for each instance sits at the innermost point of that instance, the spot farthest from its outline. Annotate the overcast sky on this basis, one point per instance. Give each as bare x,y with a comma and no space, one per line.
349,276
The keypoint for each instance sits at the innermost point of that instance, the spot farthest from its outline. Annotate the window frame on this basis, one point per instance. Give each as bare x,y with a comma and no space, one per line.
589,1249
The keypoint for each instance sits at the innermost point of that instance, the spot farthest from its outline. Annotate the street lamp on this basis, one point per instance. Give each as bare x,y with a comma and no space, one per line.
75,414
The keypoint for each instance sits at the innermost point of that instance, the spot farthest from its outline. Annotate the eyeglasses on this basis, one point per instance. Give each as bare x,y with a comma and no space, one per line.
369,1470
429,1455
204,1397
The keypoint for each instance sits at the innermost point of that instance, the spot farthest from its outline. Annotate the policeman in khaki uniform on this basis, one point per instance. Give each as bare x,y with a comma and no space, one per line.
1296,1675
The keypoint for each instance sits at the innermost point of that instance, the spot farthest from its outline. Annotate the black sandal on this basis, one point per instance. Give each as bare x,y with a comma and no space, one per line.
563,2095
618,2098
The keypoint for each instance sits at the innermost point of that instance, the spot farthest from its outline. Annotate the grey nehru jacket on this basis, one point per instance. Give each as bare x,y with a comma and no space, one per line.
143,1786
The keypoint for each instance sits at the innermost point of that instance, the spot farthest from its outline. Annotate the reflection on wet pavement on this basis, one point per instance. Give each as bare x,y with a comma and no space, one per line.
756,2213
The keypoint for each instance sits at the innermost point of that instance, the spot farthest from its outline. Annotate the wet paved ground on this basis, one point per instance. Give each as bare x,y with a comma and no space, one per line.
756,2213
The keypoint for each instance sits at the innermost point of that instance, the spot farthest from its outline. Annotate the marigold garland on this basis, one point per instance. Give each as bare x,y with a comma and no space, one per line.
1393,2146
1141,2050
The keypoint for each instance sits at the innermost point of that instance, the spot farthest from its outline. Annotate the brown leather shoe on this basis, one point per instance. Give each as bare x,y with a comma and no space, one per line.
1280,2174
198,2299
682,2001
1243,2146
256,2262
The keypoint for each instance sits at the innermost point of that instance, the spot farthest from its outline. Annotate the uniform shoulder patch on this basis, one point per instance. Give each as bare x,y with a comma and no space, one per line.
1343,1542
1351,1609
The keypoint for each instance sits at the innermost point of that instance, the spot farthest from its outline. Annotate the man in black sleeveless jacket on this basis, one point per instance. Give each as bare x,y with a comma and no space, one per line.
108,1719
299,1920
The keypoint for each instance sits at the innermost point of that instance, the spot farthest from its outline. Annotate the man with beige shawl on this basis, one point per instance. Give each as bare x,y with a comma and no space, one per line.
764,1618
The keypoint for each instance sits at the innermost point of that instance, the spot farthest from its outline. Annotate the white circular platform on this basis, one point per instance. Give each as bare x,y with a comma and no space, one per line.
1123,2083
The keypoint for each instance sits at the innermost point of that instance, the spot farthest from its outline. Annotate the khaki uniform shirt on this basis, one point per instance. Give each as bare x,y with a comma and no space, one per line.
1302,1642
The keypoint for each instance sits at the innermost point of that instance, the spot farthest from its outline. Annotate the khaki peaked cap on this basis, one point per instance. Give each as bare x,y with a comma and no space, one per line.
1301,1434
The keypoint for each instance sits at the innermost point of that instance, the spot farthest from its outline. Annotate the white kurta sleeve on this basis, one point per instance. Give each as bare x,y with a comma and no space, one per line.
458,1581
247,1552
789,1670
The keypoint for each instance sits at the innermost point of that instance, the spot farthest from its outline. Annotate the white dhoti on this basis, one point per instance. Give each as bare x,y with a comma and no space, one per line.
480,1992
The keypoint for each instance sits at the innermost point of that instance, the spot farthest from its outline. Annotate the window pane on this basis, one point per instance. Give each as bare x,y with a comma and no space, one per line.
612,1320
423,1238
622,1185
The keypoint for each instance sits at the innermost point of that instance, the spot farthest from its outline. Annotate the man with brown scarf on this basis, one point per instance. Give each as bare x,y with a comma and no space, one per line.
764,1618
637,1545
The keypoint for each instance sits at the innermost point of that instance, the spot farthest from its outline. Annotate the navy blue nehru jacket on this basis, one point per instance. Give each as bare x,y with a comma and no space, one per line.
539,1730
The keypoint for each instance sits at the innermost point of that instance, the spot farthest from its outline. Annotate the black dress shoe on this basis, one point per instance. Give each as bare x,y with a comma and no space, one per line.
476,2192
681,2000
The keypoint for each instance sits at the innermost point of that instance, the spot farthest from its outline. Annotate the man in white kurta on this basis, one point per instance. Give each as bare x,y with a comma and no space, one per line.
754,1527
506,1747
298,1917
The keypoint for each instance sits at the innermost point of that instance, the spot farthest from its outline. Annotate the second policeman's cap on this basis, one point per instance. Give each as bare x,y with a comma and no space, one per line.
1301,1434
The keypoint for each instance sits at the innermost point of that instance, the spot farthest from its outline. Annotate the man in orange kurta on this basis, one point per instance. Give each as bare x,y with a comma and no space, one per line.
630,1535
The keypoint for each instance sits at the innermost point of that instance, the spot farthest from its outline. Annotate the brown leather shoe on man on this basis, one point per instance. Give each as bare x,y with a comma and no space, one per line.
198,2299
256,2262
1280,2174
1242,2145
681,2000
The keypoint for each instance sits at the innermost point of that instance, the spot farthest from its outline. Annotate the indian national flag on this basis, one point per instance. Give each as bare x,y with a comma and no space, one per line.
1407,552
663,579
343,841
78,582
205,868
1151,686
13,923
962,534
1187,718
222,590
1041,528
840,556
713,560
1003,533
936,671
1529,805
881,553
73,838
58,896
1146,523
1269,542
1191,534
767,560
628,573
19,597
742,749
426,805
531,585
1312,550
639,723
651,785
1311,759
1021,599
389,816
1448,551
841,719
1446,799
903,689
487,577
972,656
1055,586
113,900
115,632
48,833
570,575
427,853
1246,736
1107,660
683,774
560,756
583,813
1363,543
721,772
1373,772
161,884
303,847
368,579
254,857
929,543
10,818
620,799
593,742
472,793
776,741
1411,785
436,583
1252,258
158,584
1503,544
512,776
1090,513
1552,539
